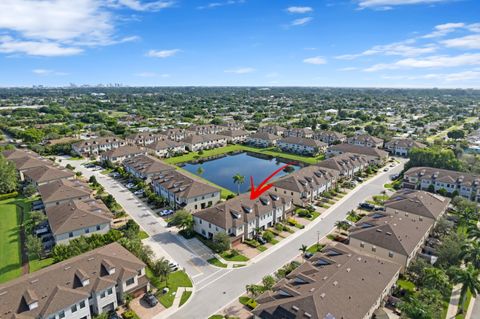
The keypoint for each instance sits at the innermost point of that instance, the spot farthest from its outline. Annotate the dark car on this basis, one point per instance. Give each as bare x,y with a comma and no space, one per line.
379,209
307,255
114,315
150,299
366,206
261,240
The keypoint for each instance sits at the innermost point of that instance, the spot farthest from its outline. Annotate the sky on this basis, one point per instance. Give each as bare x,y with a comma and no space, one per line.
333,43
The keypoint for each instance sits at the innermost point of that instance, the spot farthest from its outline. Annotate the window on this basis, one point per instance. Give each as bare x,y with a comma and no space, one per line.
98,227
390,254
74,308
103,294
61,314
362,245
82,304
70,234
130,281
199,221
374,249
87,230
110,291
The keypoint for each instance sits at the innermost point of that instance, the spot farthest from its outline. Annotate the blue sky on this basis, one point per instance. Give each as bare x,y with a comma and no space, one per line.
361,43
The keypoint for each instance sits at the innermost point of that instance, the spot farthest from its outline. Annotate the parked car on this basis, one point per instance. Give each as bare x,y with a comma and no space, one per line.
113,315
385,169
394,177
130,185
173,266
139,192
115,174
366,206
150,299
379,209
359,179
261,240
307,255
166,212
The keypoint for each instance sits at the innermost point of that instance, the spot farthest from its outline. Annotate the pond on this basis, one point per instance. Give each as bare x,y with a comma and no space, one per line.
221,170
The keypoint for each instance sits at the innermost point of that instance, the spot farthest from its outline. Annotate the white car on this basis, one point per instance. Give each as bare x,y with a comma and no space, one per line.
130,185
139,192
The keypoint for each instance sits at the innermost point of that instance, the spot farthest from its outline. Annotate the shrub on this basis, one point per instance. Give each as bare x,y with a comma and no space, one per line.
130,314
292,221
268,235
279,227
8,196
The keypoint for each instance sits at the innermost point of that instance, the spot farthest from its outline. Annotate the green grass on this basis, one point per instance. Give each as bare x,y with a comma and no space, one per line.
466,304
406,285
175,280
236,148
10,257
233,257
37,264
143,235
214,261
185,296
216,317
238,266
262,248
314,215
247,301
315,248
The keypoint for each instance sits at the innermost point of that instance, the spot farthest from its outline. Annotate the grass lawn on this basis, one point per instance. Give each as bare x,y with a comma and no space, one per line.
262,248
175,280
214,261
185,296
143,235
406,285
37,264
247,301
233,257
315,248
216,317
314,215
236,148
10,256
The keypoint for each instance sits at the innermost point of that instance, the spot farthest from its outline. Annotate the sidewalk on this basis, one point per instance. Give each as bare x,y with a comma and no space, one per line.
454,300
176,302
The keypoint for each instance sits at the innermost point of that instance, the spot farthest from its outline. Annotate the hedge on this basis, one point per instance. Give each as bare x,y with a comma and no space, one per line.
8,195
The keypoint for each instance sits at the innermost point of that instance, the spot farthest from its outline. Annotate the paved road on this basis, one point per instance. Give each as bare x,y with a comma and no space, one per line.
215,287
214,293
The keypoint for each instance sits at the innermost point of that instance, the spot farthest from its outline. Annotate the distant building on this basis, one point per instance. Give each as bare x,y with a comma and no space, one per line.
143,138
401,146
122,153
145,167
166,148
272,129
347,164
304,132
465,184
241,217
335,283
97,145
303,146
81,287
236,136
329,137
206,129
231,126
380,155
262,139
175,134
365,140
23,164
183,191
196,143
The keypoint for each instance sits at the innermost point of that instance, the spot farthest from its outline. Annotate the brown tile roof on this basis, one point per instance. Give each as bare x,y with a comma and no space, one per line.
147,165
57,287
345,162
396,232
329,134
364,150
76,215
18,153
265,136
365,138
419,203
99,141
234,133
302,141
63,189
29,162
47,173
183,185
444,175
336,283
306,179
194,139
164,144
404,142
236,211
124,151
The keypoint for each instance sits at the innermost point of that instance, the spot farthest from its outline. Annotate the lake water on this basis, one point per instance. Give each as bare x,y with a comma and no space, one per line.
221,170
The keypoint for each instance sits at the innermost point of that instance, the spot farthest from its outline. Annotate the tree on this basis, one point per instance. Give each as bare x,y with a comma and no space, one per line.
161,268
34,246
239,180
8,176
468,278
93,180
436,278
303,248
471,253
268,282
221,242
254,290
342,224
29,190
434,156
456,134
183,220
449,253
473,232
131,229
442,228
414,308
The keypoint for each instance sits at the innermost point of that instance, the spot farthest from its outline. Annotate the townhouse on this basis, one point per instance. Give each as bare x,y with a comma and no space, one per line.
175,134
78,288
306,184
46,174
122,153
435,179
63,191
365,140
241,217
166,147
143,138
236,136
300,145
401,146
417,202
195,143
24,163
347,164
145,167
262,139
381,156
18,153
329,137
205,129
231,126
396,237
304,132
272,129
184,191
77,218
335,283
95,146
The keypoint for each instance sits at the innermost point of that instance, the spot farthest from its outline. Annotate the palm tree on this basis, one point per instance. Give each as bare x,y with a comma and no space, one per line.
436,278
162,269
303,248
200,171
471,253
342,224
468,278
238,179
473,232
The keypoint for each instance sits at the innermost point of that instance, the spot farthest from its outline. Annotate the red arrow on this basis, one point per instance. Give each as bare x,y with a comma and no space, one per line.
255,193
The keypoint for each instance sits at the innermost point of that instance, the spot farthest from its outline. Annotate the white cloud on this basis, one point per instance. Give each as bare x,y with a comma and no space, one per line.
300,10
317,60
301,21
213,5
444,29
60,27
241,70
399,48
152,75
162,53
387,4
466,42
441,61
45,72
